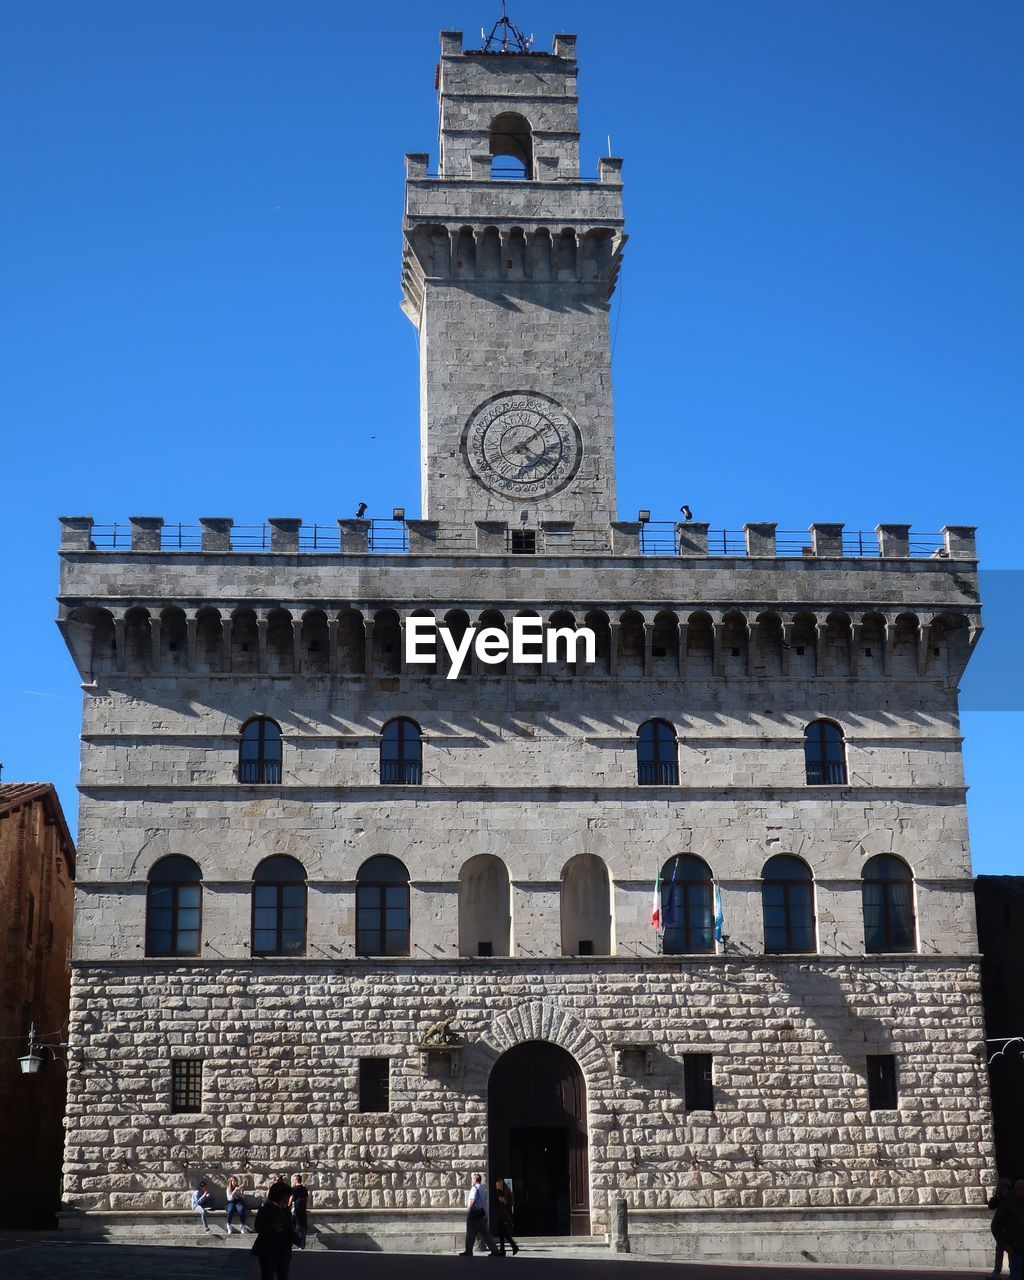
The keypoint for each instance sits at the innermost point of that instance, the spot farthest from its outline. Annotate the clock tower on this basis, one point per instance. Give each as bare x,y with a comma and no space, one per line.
510,264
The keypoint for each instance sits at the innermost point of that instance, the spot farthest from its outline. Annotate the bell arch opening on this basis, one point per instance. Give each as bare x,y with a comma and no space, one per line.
537,1138
511,146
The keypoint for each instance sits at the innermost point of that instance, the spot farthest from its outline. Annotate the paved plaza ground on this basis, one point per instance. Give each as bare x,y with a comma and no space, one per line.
42,1259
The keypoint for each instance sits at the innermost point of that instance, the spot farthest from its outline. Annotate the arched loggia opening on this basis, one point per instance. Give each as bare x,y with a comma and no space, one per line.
537,1127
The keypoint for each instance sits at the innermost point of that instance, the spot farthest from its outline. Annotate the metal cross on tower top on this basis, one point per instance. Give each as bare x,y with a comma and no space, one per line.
510,39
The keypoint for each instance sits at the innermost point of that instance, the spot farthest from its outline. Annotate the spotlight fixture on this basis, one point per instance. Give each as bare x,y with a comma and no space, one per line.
643,515
398,513
361,511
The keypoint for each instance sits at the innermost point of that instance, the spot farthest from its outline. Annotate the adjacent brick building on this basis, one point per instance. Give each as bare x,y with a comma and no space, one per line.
346,916
37,873
1000,906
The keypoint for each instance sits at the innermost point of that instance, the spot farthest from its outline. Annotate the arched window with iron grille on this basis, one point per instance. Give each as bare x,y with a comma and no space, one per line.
260,751
888,889
657,756
825,754
687,906
279,907
174,908
787,901
382,908
401,753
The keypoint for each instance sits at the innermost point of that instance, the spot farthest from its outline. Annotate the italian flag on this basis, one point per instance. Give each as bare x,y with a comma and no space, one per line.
656,904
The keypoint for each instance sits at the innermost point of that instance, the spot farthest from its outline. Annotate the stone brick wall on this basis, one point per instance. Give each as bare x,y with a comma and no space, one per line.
550,320
280,1044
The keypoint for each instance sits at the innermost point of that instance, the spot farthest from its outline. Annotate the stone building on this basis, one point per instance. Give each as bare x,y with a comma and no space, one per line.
338,913
37,873
1000,907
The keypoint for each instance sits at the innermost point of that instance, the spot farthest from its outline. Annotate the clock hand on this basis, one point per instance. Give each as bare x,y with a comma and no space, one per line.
524,444
537,458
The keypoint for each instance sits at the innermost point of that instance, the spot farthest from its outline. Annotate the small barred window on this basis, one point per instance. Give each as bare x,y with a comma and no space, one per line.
186,1085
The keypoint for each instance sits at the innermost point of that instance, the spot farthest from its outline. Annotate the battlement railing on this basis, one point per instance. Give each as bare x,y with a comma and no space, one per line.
689,539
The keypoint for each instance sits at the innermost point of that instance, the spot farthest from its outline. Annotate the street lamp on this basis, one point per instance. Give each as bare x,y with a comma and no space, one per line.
31,1062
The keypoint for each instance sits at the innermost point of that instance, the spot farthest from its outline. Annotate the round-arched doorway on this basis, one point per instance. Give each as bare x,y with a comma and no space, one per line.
537,1126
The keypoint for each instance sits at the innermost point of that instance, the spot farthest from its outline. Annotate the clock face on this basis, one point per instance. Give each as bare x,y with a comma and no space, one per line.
522,444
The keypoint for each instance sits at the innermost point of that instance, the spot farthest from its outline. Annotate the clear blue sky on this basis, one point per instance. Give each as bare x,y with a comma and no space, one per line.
820,316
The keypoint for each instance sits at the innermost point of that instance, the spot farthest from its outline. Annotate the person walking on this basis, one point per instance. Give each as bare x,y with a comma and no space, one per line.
504,1207
476,1220
1004,1190
274,1234
201,1202
234,1204
1008,1229
298,1204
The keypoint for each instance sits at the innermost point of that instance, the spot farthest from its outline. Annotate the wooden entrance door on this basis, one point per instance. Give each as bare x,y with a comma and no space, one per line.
538,1138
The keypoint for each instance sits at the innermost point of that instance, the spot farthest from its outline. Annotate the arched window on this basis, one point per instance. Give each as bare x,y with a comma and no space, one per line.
657,757
824,754
259,752
279,908
382,908
401,753
787,899
511,146
174,908
888,885
687,906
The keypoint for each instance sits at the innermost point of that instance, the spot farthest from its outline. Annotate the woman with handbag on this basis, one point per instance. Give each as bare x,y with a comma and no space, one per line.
504,1207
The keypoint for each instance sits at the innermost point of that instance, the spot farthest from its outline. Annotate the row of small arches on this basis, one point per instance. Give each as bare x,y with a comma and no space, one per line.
472,253
687,909
696,644
261,753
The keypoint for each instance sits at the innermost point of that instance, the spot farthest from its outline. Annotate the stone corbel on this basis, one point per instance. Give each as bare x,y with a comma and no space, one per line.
402,668
368,645
262,627
856,631
332,645
820,647
191,631
296,645
753,648
888,644
924,640
155,627
119,656
718,649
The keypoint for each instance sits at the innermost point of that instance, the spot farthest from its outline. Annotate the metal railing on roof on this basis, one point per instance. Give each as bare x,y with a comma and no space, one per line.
388,535
656,538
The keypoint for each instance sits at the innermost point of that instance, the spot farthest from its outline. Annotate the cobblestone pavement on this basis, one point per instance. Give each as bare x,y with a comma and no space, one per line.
51,1260
54,1260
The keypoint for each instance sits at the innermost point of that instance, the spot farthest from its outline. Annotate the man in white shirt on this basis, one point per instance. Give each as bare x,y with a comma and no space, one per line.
476,1220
